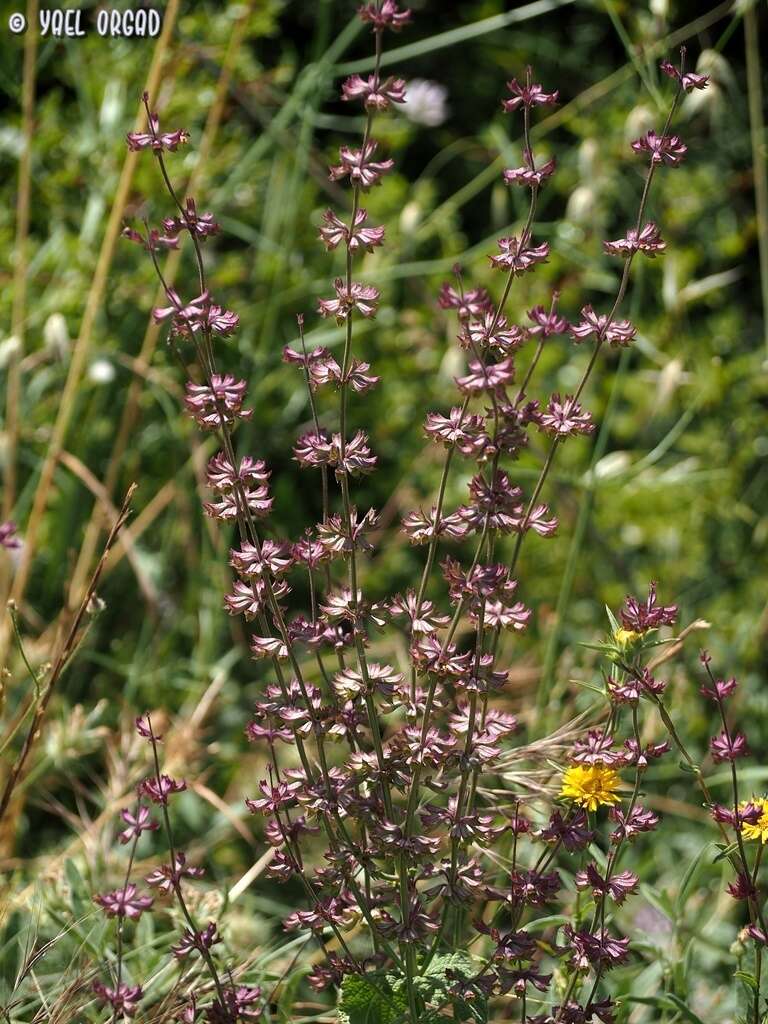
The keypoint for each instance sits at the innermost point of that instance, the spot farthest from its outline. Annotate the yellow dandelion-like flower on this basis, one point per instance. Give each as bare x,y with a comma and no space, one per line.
760,828
590,786
626,638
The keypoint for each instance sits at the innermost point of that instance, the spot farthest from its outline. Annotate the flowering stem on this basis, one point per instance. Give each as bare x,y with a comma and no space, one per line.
176,881
121,918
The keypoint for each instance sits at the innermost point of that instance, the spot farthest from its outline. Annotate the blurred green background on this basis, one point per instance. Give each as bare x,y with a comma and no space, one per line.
671,487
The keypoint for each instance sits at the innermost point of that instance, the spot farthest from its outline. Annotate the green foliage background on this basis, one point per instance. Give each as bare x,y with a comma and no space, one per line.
671,487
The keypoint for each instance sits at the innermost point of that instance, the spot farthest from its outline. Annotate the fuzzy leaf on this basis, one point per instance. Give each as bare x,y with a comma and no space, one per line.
365,1002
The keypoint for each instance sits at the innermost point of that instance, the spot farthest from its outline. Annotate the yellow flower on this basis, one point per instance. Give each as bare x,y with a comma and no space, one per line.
626,638
590,786
760,829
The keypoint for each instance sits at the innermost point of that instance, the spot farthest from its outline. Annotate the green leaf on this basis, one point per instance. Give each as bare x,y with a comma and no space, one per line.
725,851
288,993
690,879
364,1001
667,1002
747,978
434,981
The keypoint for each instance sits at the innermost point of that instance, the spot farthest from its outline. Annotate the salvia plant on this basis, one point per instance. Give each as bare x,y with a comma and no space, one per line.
439,877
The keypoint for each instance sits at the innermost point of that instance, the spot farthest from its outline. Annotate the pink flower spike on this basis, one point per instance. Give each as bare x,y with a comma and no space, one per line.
687,80
383,15
647,241
667,149
528,95
375,94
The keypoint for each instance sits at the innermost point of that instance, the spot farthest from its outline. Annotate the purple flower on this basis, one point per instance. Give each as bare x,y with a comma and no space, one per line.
473,303
250,599
618,886
518,257
463,430
499,615
416,926
251,562
8,538
539,522
530,887
687,80
154,241
640,756
243,1004
384,14
595,950
528,95
222,401
334,231
202,225
512,946
125,902
144,728
422,527
630,825
159,789
362,297
647,240
124,999
154,139
327,371
748,814
720,689
421,616
527,175
497,501
639,618
375,94
565,417
222,476
573,832
275,797
167,877
493,332
358,166
490,377
742,888
725,747
182,315
319,450
220,321
338,910
337,537
547,323
597,748
192,941
616,332
668,149
757,934
230,507
137,823
517,980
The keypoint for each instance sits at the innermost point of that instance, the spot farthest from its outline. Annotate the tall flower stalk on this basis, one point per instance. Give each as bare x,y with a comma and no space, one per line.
394,772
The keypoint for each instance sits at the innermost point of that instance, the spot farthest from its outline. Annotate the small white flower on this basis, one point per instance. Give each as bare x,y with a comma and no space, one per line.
101,371
56,335
9,349
425,102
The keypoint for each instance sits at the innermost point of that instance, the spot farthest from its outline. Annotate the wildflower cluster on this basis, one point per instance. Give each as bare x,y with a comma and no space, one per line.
740,822
168,880
391,766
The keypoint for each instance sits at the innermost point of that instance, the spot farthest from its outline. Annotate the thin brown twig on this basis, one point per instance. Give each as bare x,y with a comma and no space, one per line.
62,659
